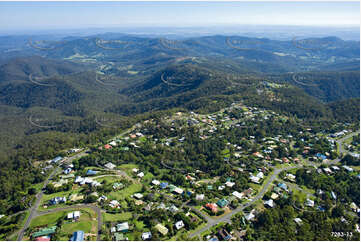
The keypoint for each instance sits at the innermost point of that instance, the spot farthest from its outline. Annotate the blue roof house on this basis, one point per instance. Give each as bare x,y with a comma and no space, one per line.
283,186
91,172
77,236
163,185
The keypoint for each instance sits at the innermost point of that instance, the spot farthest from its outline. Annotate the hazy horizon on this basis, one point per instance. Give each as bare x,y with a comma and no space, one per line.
80,15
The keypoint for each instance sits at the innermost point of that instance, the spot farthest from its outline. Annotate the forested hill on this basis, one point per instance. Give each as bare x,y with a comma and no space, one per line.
56,94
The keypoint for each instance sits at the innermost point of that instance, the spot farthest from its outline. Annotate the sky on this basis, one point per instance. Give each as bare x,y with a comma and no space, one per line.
45,15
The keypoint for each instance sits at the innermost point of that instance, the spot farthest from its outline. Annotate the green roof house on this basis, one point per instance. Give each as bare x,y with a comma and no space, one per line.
222,202
44,231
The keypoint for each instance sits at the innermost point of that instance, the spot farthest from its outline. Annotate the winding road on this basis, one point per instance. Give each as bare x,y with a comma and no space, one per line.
210,221
38,197
227,218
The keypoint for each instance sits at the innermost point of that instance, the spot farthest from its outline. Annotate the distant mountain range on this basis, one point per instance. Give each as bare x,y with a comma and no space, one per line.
65,85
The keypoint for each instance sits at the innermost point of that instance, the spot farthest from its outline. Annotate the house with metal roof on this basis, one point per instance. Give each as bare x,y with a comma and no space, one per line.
222,202
163,230
77,236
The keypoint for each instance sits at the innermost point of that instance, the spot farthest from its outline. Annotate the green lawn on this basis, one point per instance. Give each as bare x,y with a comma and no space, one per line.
126,192
128,168
47,219
109,179
109,217
86,223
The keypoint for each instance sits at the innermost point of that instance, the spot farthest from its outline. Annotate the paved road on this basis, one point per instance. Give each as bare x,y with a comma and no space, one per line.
340,141
276,172
34,208
96,209
227,217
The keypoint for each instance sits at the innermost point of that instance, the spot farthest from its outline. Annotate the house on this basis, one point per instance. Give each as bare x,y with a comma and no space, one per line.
178,190
250,216
354,207
179,224
222,202
212,207
269,203
123,227
114,204
223,235
163,230
260,175
291,177
91,172
333,195
113,143
274,196
57,200
173,209
43,238
102,198
44,232
282,186
107,146
138,195
220,188
199,197
67,171
347,168
255,179
77,236
321,156
135,170
298,221
310,203
56,159
163,185
74,215
141,174
230,184
335,168
110,166
238,195
146,236
327,170
155,182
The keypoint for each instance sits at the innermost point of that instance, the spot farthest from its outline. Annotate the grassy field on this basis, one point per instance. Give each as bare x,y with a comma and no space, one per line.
87,222
109,217
128,168
126,192
109,179
48,219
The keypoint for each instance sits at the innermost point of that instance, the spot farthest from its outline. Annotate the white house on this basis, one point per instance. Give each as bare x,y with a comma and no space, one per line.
199,197
141,174
310,203
269,203
110,165
146,235
179,224
156,182
74,215
230,184
238,195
